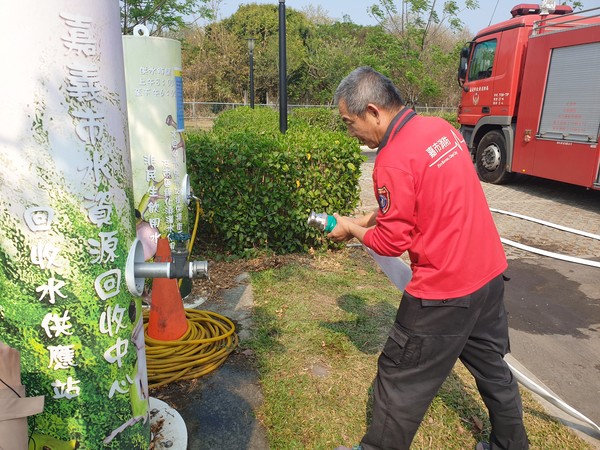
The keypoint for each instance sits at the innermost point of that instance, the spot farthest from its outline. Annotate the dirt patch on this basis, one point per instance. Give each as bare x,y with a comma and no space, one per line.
226,274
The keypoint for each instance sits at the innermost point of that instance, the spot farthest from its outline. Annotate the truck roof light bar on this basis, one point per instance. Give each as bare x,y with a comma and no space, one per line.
524,9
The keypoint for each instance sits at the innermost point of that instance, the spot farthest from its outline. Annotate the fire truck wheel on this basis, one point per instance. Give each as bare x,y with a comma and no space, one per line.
490,160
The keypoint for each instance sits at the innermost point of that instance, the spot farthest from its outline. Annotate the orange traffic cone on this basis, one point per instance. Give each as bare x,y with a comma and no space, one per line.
167,320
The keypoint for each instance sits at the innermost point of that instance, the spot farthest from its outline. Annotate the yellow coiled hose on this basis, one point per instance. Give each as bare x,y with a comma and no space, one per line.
206,344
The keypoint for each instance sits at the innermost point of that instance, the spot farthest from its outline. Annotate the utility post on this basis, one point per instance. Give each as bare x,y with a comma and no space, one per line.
282,70
251,42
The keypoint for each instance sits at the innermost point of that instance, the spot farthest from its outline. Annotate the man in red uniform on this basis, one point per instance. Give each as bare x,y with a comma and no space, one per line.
432,205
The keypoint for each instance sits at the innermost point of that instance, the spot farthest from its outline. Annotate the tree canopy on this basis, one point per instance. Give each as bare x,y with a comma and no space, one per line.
160,16
416,43
420,58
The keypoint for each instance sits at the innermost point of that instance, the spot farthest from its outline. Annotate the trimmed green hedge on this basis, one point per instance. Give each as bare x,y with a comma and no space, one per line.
324,118
257,186
450,117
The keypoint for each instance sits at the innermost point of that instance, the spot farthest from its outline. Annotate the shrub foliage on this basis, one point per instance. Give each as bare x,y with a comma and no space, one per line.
257,186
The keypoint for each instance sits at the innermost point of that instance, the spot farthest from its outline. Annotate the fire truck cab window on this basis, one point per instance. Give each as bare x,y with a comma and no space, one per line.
483,60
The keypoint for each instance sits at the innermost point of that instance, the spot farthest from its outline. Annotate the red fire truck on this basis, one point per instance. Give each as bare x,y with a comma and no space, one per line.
531,96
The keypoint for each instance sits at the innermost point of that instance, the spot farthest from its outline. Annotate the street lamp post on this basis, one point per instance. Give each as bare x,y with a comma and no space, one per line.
282,70
251,51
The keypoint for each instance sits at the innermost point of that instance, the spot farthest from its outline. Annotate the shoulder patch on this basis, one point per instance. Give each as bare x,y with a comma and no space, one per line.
383,198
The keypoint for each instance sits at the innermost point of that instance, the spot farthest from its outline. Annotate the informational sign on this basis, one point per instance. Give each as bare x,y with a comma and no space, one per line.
155,105
67,223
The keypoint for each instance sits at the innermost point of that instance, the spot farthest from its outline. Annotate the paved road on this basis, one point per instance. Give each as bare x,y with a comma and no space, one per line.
553,305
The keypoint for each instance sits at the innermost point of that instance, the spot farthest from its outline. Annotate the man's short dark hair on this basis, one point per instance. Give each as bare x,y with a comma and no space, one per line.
365,85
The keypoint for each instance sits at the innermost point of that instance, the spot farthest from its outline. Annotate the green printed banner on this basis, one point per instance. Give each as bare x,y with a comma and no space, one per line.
67,223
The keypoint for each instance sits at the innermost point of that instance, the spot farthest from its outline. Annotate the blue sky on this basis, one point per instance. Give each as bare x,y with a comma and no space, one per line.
357,9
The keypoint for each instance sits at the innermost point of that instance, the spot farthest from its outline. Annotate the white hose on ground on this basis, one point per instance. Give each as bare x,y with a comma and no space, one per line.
546,395
549,224
521,378
573,259
528,248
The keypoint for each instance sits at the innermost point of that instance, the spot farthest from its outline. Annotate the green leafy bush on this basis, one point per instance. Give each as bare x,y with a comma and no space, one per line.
261,120
257,186
324,118
448,116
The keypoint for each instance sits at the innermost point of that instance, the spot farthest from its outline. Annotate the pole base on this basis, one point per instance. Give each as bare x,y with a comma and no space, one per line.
167,426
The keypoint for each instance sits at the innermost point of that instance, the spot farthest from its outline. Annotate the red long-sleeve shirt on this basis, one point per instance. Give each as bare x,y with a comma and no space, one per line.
431,203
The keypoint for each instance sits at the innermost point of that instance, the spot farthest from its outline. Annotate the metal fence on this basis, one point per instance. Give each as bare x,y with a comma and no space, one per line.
206,110
210,110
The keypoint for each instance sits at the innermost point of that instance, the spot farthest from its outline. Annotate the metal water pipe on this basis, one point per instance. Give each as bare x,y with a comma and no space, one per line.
137,269
180,267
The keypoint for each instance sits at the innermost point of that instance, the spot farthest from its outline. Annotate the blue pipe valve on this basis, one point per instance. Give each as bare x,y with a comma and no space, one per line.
321,221
180,250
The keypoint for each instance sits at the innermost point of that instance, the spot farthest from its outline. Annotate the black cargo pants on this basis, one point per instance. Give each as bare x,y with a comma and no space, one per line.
426,340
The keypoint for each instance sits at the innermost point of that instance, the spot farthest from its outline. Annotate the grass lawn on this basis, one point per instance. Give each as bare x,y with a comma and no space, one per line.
321,322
